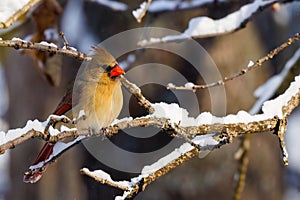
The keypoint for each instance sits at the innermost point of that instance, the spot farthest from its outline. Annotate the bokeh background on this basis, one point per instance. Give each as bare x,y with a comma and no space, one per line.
86,23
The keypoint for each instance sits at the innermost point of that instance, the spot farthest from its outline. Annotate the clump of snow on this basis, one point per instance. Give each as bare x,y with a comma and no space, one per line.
53,131
64,129
174,113
189,85
250,64
139,12
17,39
204,118
71,48
48,44
170,85
241,116
116,121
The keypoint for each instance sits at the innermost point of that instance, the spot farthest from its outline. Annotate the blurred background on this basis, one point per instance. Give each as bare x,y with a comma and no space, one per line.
31,93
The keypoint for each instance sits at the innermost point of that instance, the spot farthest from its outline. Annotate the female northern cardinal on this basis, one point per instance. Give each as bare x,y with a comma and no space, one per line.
97,92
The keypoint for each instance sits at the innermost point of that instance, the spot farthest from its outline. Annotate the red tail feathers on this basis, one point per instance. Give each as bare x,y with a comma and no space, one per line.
35,172
33,175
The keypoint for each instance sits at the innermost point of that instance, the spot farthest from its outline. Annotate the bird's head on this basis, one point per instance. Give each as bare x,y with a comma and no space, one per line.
107,62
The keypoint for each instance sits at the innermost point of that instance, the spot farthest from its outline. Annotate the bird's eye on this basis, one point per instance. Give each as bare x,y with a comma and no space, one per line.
108,68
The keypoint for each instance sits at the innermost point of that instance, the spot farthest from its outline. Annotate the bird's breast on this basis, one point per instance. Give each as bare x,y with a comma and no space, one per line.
101,103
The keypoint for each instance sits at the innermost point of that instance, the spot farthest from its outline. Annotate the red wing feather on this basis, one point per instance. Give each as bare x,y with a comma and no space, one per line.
65,105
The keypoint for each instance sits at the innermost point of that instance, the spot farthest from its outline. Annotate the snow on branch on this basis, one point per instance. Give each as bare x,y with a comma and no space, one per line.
141,11
267,90
105,178
201,27
251,66
12,10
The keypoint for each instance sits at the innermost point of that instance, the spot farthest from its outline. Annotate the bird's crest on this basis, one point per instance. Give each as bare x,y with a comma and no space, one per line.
103,57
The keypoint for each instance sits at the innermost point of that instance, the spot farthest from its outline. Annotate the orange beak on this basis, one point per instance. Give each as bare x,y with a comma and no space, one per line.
116,71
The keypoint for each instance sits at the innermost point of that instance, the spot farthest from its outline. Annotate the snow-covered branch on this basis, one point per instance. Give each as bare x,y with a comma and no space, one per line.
201,27
18,43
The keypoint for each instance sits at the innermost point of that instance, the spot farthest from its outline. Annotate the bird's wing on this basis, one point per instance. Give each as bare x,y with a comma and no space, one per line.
65,104
69,101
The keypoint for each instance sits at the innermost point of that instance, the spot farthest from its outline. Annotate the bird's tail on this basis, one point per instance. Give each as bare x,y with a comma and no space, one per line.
35,171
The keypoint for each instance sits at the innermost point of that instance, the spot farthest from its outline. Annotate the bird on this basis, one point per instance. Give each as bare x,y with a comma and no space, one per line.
97,92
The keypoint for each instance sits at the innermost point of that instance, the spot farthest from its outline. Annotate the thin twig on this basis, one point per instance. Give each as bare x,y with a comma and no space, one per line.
256,65
136,91
65,40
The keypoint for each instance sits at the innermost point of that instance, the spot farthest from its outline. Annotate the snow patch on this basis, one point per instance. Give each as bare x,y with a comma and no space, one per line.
48,44
250,64
140,11
189,85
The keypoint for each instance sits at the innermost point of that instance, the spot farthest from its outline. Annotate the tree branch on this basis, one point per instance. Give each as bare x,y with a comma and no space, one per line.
44,46
244,71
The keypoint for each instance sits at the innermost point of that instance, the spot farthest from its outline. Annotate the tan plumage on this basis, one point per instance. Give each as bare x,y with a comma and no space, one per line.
97,92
